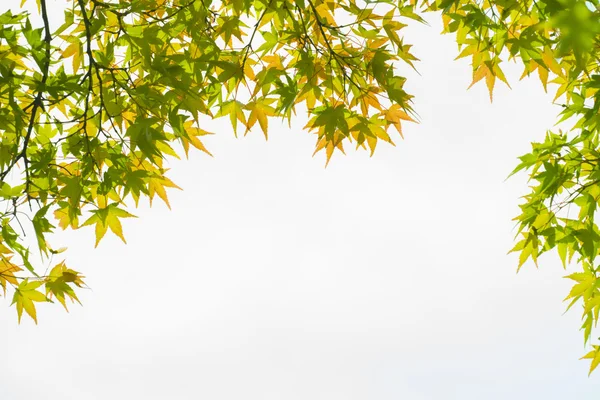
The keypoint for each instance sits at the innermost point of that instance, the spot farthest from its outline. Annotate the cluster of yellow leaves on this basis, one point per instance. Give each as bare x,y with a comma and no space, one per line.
57,285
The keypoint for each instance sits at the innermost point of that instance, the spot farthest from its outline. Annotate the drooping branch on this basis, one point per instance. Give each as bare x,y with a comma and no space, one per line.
37,103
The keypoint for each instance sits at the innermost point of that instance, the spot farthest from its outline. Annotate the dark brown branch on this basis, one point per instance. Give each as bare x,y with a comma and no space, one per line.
37,102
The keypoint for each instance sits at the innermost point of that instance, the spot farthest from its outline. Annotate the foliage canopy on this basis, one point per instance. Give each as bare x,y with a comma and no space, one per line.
89,110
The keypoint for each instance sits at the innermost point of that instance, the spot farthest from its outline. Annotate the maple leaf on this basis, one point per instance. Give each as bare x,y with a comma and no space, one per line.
395,114
235,110
593,355
108,217
7,272
157,185
57,284
25,296
192,138
259,111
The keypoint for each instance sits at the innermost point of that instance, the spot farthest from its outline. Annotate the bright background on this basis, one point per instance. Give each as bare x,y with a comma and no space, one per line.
274,278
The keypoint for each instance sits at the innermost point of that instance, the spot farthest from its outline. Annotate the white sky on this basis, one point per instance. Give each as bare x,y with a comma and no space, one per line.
274,278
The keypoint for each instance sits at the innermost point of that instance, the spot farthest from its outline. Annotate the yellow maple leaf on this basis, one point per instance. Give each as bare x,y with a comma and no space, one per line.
259,112
157,185
593,355
108,217
25,295
192,138
7,272
395,114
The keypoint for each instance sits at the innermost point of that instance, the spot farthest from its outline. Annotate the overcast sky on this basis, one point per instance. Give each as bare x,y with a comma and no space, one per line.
274,278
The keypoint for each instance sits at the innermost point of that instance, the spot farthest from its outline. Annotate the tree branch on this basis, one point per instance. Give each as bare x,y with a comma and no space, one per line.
37,102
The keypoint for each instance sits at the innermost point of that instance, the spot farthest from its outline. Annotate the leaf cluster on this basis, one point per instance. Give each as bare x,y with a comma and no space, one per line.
90,111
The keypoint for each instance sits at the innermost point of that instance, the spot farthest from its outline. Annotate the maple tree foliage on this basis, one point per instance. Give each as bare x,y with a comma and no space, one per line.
90,110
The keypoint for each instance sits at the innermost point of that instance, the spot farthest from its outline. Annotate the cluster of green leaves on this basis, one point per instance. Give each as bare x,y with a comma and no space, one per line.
560,39
90,111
